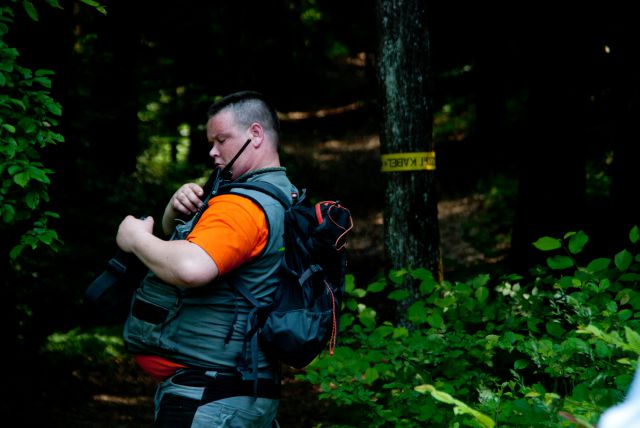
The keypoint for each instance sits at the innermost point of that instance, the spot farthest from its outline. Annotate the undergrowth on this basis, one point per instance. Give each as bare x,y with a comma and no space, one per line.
552,349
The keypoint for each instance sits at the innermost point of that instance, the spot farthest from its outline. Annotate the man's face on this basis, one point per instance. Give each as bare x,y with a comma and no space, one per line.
226,139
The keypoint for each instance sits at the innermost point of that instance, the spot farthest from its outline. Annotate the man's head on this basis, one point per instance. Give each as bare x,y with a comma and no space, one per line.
237,118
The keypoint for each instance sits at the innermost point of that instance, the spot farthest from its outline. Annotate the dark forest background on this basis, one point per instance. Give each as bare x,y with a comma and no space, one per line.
535,110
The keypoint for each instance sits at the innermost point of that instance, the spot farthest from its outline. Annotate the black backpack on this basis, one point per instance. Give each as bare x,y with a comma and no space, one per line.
303,318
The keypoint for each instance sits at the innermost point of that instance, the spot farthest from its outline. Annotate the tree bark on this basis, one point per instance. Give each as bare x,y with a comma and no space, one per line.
412,238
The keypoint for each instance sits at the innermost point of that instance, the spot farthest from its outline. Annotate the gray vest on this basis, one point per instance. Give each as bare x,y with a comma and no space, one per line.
191,326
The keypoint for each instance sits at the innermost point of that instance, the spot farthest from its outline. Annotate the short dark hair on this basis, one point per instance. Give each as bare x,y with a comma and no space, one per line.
248,107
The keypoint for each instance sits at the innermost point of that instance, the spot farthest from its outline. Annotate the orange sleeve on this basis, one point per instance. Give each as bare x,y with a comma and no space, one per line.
232,230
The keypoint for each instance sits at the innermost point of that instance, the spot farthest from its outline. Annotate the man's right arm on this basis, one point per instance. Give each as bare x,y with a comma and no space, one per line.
186,200
177,262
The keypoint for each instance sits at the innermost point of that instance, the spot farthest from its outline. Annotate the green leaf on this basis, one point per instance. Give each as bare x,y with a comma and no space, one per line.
634,234
14,169
443,397
597,265
417,313
8,213
22,179
577,242
603,350
376,287
520,364
427,286
32,199
96,5
623,260
604,284
30,9
559,262
15,251
445,302
48,236
532,324
349,283
346,320
554,329
44,81
435,320
482,293
44,72
370,375
358,292
397,276
38,174
423,389
459,406
547,243
480,280
56,137
19,104
398,295
422,274
633,339
368,317
10,128
399,332
625,314
580,392
54,3
54,108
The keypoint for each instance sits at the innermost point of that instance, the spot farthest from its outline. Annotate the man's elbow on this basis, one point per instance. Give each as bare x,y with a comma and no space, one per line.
192,273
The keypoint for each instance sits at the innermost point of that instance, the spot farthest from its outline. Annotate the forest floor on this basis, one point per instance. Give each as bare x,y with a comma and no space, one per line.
122,397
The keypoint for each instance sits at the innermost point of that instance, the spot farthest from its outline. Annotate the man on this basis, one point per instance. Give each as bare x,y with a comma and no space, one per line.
187,321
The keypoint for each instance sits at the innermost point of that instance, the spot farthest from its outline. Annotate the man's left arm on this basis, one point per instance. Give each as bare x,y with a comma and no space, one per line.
177,262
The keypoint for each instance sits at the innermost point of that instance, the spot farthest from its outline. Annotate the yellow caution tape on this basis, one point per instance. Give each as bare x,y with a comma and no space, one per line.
417,161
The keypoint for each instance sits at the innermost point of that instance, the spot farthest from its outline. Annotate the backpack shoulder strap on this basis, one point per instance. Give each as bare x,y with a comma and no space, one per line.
261,186
256,315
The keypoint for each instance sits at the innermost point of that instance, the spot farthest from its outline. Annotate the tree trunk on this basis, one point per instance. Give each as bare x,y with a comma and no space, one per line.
412,238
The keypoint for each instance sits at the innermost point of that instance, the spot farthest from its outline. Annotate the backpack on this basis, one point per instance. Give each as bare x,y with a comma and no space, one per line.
303,317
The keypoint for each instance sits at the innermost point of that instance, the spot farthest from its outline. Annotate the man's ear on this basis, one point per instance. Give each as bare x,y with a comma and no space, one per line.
257,132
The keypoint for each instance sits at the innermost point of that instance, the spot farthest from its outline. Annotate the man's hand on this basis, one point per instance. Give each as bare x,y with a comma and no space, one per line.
185,201
130,231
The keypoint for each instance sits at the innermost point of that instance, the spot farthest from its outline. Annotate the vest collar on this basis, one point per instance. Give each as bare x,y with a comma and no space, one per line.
251,174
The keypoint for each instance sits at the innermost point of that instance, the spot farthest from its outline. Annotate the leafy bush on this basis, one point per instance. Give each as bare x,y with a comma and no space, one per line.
552,349
28,117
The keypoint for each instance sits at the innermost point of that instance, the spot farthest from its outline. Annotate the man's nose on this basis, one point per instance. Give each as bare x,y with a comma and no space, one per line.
213,152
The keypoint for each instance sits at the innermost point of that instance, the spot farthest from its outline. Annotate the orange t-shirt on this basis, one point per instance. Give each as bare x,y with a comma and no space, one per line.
233,230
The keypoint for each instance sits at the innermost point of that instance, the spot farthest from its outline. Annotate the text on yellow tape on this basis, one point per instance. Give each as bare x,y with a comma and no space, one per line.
416,161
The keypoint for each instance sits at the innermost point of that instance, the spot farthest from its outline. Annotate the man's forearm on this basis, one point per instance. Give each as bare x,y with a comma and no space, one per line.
175,262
